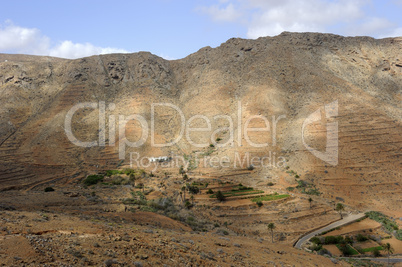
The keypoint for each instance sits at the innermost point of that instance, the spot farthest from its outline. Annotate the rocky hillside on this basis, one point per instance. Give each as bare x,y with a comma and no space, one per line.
291,75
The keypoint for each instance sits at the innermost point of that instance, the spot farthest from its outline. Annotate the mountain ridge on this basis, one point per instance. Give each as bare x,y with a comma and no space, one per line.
291,74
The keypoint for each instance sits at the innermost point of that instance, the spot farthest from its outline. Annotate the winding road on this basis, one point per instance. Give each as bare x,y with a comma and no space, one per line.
344,221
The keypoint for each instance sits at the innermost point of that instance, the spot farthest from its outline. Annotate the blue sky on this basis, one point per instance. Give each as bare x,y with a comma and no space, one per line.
173,29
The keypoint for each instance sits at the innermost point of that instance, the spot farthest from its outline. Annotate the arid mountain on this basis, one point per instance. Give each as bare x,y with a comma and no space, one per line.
291,75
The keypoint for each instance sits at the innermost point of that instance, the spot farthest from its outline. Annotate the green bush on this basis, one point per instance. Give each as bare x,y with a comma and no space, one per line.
315,240
188,205
112,172
210,191
259,203
313,191
93,179
49,189
348,239
361,238
376,252
193,189
323,251
316,247
301,184
270,184
333,240
220,196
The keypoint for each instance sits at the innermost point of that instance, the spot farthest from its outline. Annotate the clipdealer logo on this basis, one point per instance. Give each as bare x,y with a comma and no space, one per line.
237,130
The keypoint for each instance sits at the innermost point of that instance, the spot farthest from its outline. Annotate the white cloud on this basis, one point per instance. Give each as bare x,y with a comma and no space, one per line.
22,40
16,39
396,33
228,13
372,26
271,17
68,49
301,16
167,57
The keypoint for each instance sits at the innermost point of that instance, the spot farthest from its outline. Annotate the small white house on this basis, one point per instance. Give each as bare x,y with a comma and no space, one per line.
159,159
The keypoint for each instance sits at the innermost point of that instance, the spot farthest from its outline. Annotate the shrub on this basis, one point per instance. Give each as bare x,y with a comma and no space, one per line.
259,203
315,240
129,172
346,249
49,189
361,238
210,191
376,252
323,251
313,191
220,196
193,189
333,240
188,204
270,184
316,247
112,172
93,179
250,168
301,184
348,240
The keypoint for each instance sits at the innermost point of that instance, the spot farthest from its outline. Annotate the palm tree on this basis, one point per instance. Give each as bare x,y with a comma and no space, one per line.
182,171
339,208
271,227
132,178
310,200
183,189
389,249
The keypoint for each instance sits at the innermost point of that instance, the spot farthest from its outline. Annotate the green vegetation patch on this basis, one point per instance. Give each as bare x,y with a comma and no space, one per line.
346,249
371,249
239,193
386,222
93,179
270,197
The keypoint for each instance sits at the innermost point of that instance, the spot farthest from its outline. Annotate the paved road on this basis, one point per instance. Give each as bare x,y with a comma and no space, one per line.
345,220
391,260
